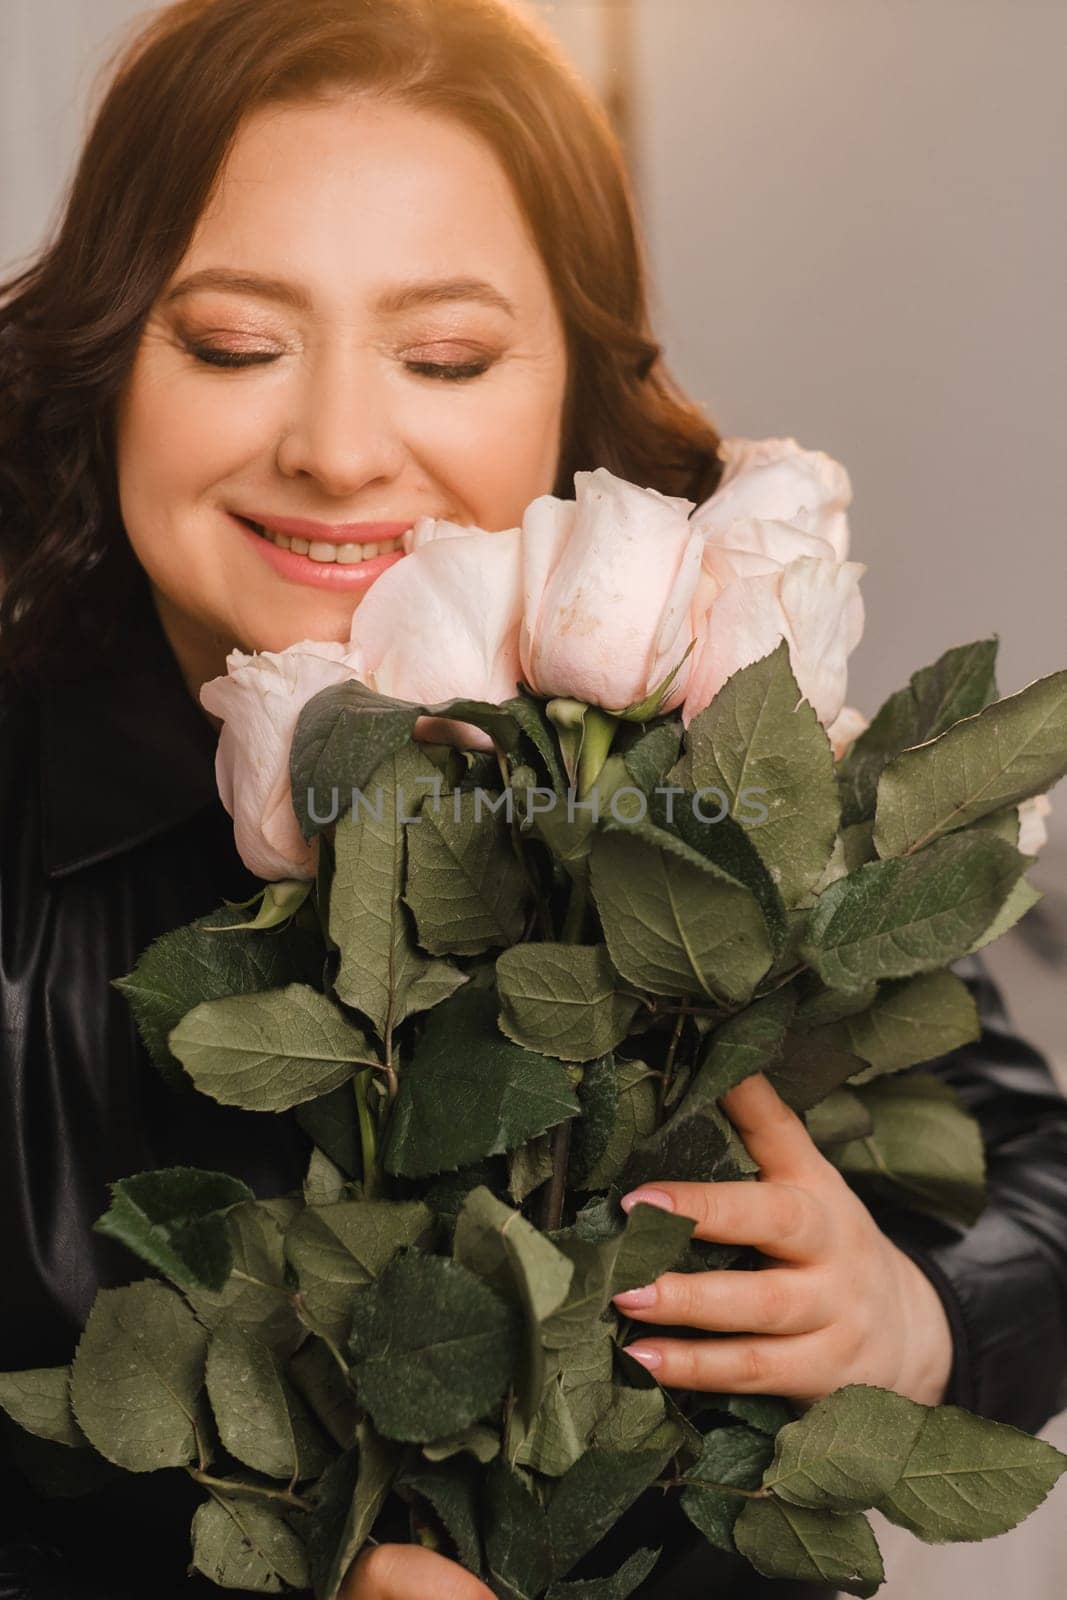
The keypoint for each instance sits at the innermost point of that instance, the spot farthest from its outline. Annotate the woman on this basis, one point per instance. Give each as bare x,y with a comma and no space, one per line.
327,267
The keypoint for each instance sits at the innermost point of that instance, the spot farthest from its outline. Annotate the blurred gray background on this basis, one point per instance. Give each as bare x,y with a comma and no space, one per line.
855,218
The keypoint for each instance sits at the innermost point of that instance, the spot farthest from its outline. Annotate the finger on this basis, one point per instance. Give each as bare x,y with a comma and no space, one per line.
758,1365
408,1572
772,1133
777,1300
776,1218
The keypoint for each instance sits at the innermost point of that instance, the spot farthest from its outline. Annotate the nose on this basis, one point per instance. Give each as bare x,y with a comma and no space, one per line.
340,428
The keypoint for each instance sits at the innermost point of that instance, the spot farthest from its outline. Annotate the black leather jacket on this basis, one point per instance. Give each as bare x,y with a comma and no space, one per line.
111,833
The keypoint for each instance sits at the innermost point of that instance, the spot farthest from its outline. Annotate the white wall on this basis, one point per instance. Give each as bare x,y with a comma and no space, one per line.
50,53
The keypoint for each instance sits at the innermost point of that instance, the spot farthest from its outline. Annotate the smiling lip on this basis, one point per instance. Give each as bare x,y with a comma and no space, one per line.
328,532
349,579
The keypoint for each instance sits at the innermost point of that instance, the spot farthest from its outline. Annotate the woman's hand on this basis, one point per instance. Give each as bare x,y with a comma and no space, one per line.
838,1303
408,1572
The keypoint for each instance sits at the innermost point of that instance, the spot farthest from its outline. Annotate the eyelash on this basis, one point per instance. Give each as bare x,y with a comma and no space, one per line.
444,373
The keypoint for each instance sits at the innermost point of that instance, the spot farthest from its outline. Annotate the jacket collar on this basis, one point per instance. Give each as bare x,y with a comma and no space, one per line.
125,753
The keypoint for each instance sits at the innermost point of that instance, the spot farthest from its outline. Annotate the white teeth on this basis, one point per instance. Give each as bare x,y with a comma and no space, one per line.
325,552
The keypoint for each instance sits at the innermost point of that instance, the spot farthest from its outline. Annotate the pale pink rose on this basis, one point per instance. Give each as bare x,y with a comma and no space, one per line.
846,729
443,624
260,701
1033,833
815,605
608,585
777,480
426,529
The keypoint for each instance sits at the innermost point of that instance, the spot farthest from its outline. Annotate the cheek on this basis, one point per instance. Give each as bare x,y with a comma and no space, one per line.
493,448
178,437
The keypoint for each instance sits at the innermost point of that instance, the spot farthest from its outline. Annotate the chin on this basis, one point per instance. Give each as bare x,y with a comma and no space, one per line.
329,623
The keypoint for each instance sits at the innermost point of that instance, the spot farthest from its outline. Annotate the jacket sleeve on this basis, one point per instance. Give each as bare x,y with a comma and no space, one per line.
1003,1281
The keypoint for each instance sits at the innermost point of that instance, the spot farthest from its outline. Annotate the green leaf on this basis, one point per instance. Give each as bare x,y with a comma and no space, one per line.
433,1348
649,759
563,999
137,1376
467,1092
343,735
529,713
839,1119
1022,899
675,923
324,1387
330,1121
619,1586
598,1093
1013,748
270,1051
39,1401
633,1417
786,1541
731,1457
255,1296
348,1499
477,1441
190,965
244,1544
451,1488
650,1242
749,1042
529,1167
810,1069
465,885
970,1478
758,734
1004,823
821,1006
501,1247
383,973
847,1451
598,1491
578,1394
633,1119
499,1244
725,843
893,919
173,1219
324,1184
261,1420
518,1549
693,1142
925,1149
957,685
337,1248
759,1411
912,1020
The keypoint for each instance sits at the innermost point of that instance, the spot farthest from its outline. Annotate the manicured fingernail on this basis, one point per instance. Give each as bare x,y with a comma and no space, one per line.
647,1197
642,1352
631,1299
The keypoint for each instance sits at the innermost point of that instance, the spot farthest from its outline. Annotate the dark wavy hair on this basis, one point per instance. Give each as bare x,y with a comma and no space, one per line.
71,322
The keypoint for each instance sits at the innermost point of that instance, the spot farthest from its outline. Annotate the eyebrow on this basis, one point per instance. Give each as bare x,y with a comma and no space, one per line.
404,297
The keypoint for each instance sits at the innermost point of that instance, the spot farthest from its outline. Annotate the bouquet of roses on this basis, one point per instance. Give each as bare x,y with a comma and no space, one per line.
574,835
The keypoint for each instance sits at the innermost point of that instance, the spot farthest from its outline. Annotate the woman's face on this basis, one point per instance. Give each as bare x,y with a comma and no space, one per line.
393,351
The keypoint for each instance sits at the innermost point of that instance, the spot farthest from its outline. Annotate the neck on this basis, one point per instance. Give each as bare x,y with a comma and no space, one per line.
201,655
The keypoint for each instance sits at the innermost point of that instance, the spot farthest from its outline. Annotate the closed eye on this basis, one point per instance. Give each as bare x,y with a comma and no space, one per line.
446,372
